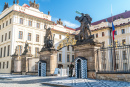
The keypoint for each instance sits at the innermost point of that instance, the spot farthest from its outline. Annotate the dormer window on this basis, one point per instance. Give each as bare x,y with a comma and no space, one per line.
123,31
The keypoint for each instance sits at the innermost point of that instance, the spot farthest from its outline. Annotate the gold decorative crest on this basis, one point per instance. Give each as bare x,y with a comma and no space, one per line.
68,41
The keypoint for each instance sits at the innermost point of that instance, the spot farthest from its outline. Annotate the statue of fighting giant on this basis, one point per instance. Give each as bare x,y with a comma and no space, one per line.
85,32
48,40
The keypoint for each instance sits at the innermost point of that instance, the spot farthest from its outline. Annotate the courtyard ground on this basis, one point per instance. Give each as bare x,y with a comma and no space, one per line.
35,81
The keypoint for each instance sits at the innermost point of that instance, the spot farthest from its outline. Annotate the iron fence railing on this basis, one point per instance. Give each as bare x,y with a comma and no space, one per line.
113,59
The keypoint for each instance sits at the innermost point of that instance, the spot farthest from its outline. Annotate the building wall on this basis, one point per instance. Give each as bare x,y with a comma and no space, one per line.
16,12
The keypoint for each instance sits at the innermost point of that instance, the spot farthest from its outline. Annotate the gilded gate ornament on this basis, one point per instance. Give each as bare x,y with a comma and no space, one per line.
68,41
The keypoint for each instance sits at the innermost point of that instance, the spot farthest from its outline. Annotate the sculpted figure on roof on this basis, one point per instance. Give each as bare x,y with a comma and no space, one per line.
6,6
59,22
34,5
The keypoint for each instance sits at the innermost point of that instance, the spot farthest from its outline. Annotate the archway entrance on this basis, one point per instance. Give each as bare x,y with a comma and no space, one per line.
81,67
78,68
41,68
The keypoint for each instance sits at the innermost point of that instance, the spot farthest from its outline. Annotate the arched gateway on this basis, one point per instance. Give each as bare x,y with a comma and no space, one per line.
81,67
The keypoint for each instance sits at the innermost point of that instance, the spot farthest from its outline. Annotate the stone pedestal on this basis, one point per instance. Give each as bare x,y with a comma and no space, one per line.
50,57
87,51
24,63
14,57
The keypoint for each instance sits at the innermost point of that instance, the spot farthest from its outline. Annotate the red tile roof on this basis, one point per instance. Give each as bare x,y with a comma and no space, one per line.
122,15
25,5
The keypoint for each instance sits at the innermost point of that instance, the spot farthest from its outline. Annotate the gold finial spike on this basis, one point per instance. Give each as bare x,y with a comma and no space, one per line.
116,43
121,43
124,43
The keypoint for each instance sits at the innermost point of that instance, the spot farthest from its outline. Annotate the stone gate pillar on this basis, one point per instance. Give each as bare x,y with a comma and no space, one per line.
50,56
14,57
87,51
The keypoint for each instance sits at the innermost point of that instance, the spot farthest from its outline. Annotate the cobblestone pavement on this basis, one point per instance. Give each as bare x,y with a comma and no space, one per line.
90,83
35,81
25,80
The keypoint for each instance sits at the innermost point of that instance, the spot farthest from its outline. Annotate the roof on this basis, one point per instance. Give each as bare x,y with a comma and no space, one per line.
25,5
122,15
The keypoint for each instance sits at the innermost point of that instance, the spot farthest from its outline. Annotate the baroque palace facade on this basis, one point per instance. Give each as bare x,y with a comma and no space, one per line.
19,24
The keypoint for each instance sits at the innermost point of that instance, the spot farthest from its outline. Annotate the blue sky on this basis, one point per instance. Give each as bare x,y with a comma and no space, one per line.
65,9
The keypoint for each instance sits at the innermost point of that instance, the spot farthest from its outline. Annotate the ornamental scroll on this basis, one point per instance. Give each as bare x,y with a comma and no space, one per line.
68,41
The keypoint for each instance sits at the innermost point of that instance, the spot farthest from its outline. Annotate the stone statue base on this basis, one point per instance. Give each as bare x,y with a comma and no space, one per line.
24,63
87,50
50,57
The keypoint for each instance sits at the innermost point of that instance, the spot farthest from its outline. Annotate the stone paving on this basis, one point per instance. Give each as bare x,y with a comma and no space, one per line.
90,83
35,81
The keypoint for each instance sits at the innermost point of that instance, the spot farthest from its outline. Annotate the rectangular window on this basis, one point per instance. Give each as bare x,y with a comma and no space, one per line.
21,20
9,34
72,48
20,34
117,66
2,38
124,55
103,34
6,23
96,35
7,64
10,20
60,57
0,27
3,25
5,36
29,23
38,25
123,42
123,31
68,58
8,50
3,65
72,58
4,51
37,38
29,36
68,48
1,52
59,36
104,66
19,50
36,52
125,66
115,32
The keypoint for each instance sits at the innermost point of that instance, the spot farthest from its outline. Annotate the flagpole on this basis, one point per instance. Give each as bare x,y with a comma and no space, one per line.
114,57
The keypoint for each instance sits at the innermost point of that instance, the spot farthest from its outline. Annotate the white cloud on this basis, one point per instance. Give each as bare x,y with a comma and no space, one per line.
67,23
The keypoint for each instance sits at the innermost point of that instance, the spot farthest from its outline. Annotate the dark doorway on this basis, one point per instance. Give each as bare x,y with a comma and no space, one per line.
78,68
39,69
60,66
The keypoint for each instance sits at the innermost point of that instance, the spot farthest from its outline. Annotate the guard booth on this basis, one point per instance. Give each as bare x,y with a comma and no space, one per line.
42,68
81,67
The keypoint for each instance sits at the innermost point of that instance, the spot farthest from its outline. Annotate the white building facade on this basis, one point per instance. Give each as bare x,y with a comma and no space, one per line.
19,24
